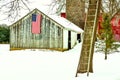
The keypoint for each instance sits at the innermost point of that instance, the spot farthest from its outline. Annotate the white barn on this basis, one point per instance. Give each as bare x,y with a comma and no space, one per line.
57,33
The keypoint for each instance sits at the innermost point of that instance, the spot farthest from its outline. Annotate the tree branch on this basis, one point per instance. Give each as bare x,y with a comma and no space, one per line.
118,11
13,8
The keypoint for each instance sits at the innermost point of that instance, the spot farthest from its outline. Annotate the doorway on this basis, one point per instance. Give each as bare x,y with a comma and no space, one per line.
79,38
69,39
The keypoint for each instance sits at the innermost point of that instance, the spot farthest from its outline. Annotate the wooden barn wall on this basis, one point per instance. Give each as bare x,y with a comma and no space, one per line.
21,37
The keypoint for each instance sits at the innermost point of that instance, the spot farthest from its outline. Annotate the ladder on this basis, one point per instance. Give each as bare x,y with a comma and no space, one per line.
85,61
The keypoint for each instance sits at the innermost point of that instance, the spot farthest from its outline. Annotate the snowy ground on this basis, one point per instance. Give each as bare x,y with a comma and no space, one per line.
54,65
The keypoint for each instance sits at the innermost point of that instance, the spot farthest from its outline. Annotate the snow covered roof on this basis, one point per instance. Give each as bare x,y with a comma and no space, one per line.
66,23
63,22
58,19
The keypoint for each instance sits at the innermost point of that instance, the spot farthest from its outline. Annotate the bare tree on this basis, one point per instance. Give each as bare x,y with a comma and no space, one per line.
57,6
111,6
12,8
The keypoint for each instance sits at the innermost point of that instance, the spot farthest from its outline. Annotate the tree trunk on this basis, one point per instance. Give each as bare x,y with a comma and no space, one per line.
86,57
75,12
105,53
105,56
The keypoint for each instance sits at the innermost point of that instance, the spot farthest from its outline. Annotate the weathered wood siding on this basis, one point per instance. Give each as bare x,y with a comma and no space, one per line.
51,36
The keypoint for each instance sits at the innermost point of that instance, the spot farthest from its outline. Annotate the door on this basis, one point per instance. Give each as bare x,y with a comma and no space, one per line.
79,38
69,39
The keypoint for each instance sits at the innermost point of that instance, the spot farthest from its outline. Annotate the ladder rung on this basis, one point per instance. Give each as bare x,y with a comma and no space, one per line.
91,12
83,63
82,71
90,18
92,6
92,9
87,35
91,15
86,52
86,30
86,59
93,2
90,21
86,62
86,45
89,28
86,48
86,39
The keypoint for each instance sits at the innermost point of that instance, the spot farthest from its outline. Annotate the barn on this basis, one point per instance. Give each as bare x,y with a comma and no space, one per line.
115,25
115,22
37,30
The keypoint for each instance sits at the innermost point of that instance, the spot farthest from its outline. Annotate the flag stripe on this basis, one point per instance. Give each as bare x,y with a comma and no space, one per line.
36,23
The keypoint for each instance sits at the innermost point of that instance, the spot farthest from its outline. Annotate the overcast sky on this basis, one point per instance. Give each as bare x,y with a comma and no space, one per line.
40,4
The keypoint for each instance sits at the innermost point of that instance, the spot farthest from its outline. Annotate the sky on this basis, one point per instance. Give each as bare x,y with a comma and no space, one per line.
40,4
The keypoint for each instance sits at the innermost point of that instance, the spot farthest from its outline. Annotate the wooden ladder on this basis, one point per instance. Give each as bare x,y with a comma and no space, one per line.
85,62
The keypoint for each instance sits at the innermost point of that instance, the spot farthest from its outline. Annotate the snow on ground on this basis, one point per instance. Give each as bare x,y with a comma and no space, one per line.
54,65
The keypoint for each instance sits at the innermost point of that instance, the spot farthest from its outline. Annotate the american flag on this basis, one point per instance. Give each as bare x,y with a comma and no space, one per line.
36,23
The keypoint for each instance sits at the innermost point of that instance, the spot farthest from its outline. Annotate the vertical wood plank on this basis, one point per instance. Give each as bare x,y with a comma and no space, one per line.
47,33
30,33
56,36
